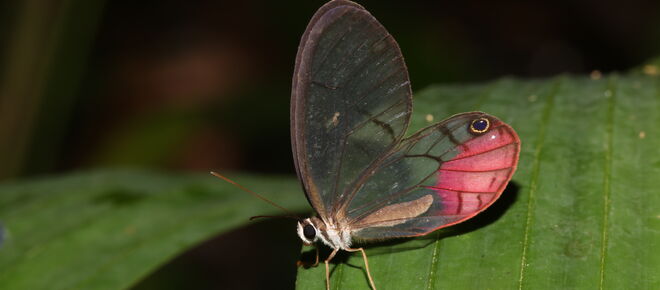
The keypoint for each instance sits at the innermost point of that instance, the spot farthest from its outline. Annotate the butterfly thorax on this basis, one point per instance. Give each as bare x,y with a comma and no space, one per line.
336,236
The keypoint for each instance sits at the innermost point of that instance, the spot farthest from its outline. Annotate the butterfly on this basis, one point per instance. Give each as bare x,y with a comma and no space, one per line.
351,104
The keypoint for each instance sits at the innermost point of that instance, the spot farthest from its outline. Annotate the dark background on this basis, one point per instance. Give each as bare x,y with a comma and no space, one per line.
199,85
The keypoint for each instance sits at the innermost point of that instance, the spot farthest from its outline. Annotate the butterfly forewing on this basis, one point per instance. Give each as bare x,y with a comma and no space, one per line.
351,102
438,177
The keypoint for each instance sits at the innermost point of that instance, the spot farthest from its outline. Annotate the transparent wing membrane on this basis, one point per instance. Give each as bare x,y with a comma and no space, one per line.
351,101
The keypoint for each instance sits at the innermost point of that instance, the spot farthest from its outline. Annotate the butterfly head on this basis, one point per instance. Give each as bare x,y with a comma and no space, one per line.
308,230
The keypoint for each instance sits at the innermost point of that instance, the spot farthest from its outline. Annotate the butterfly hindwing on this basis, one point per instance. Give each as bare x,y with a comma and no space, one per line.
351,102
440,176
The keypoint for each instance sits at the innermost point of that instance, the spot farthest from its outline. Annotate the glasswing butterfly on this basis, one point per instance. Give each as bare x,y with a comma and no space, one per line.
351,103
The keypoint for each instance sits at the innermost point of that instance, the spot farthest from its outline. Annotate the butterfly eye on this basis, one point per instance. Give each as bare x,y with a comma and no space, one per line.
479,126
309,232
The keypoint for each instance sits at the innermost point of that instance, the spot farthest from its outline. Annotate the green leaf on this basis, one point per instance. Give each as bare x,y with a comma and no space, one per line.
107,230
582,211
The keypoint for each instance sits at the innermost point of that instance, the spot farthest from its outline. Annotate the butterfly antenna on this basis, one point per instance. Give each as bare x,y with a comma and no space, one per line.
273,216
243,188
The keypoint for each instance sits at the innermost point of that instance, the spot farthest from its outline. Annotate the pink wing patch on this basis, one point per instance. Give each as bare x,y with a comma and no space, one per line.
476,177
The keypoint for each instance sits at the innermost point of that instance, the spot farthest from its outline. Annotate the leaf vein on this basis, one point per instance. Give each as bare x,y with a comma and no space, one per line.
434,263
607,180
533,184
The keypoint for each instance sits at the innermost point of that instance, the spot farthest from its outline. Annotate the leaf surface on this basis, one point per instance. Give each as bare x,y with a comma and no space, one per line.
108,229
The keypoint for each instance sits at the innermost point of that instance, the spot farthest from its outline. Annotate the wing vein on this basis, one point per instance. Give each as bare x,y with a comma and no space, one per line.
475,171
459,190
482,152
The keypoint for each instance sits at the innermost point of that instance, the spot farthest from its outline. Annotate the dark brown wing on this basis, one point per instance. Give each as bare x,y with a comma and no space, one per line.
350,103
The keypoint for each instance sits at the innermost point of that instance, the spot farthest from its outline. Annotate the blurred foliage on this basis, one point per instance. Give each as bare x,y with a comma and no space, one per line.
44,60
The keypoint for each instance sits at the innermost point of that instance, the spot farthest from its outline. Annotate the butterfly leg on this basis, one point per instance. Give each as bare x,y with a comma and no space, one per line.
317,257
327,268
300,263
366,263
